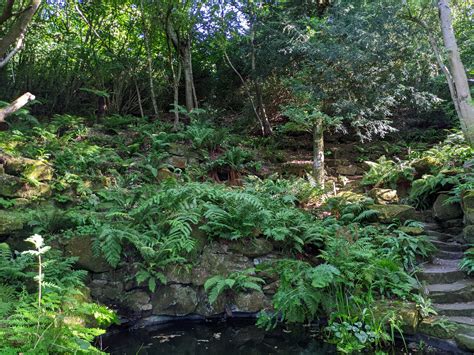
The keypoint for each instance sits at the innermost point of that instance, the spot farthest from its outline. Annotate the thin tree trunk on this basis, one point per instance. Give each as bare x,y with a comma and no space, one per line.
458,73
247,91
150,63
318,152
266,127
139,97
16,105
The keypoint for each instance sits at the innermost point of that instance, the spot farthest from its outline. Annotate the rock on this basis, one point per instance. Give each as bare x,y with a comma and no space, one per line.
297,167
27,168
250,302
465,341
468,207
137,301
432,327
81,247
412,230
11,221
105,291
178,274
468,234
383,196
425,165
252,247
443,211
348,170
390,213
178,162
216,260
351,196
174,300
13,186
10,185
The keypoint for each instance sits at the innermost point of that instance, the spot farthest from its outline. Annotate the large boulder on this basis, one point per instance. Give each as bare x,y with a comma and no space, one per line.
383,196
14,186
443,211
174,300
137,301
390,213
81,247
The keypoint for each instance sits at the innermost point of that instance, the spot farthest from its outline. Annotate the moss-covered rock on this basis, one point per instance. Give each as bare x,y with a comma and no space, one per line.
465,341
390,213
468,207
435,327
384,196
11,221
136,301
468,234
81,247
425,165
412,230
10,186
443,211
28,168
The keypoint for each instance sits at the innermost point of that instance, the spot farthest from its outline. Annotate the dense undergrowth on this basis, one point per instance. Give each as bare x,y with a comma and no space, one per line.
117,183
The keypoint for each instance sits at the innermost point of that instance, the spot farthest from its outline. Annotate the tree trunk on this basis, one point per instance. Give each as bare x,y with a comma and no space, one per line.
150,63
262,113
15,105
17,31
318,152
462,96
188,76
139,98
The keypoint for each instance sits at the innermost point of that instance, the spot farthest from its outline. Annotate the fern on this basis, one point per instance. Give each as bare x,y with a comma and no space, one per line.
235,282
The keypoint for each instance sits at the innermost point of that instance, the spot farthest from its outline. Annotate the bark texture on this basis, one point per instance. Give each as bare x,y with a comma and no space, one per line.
15,105
457,77
318,152
14,36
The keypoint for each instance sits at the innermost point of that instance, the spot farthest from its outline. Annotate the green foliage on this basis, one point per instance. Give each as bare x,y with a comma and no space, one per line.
467,263
386,172
240,281
302,290
53,321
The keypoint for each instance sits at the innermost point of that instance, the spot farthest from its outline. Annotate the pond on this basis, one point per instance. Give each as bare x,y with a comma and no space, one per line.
241,337
229,338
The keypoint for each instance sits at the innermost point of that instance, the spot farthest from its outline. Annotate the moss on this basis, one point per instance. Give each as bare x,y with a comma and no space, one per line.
11,221
390,213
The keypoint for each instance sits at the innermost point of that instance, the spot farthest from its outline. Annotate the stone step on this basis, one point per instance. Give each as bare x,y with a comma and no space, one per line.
442,237
450,255
460,291
449,246
460,309
441,273
463,321
465,341
432,226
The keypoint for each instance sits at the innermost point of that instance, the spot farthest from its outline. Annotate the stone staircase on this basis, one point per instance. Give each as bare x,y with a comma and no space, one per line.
450,289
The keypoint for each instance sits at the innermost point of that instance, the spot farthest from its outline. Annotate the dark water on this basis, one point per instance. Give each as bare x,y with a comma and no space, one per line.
242,337
237,338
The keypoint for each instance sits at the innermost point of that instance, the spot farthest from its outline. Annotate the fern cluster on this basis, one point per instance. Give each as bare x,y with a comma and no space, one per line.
63,322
